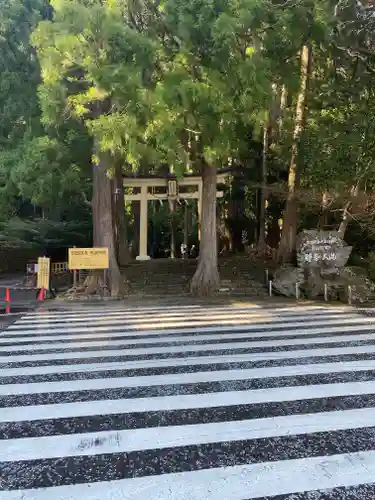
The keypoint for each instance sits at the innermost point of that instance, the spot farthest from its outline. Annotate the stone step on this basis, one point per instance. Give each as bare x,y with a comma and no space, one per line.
172,277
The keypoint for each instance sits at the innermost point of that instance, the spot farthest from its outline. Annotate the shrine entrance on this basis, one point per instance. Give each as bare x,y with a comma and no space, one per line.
157,188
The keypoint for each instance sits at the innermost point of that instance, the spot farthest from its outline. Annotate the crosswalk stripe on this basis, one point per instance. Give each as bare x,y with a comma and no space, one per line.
185,378
138,317
295,355
166,347
237,483
100,310
175,378
126,441
120,308
184,402
241,402
219,326
45,342
176,364
172,323
160,353
278,323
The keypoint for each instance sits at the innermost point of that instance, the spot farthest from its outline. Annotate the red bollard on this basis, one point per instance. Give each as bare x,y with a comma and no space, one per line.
7,295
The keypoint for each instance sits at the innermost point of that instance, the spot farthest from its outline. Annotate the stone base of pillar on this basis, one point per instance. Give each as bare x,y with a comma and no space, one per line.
143,257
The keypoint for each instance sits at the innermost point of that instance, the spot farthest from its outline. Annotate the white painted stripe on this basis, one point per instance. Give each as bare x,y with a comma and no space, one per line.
167,310
183,378
186,340
265,330
219,326
130,311
165,336
122,307
126,441
151,321
174,378
185,348
145,324
183,319
193,361
138,318
188,308
184,402
240,482
107,315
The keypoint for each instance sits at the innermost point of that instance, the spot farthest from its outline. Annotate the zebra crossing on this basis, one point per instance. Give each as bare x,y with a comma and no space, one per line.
233,402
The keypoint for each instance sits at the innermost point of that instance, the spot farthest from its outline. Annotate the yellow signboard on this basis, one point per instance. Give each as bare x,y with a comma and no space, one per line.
88,258
43,272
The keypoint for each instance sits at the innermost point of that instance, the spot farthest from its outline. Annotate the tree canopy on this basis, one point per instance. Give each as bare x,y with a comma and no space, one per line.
190,86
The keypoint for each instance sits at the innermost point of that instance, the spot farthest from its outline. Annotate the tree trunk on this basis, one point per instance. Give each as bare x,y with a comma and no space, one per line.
271,133
95,208
122,244
346,216
289,232
323,216
280,117
104,234
206,279
263,195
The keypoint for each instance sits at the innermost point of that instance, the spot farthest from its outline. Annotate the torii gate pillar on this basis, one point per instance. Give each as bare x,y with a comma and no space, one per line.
144,196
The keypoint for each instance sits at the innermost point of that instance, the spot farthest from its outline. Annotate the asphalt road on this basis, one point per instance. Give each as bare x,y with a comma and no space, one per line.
23,300
188,403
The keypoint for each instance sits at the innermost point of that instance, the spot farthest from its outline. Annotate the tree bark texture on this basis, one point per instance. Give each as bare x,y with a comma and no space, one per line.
323,216
104,233
263,194
346,216
206,279
122,244
271,133
289,232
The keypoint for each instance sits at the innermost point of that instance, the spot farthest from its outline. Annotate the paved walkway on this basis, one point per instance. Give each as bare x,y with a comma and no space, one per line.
188,403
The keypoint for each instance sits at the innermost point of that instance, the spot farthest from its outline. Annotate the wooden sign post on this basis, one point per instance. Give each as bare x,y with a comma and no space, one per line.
88,259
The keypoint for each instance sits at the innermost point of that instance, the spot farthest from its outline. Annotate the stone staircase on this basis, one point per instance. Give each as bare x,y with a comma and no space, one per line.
167,277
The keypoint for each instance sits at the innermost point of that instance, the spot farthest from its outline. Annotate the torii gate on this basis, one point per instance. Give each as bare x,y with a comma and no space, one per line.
171,192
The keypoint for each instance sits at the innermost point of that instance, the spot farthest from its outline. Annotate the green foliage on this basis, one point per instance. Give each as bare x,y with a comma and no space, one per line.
42,233
42,166
168,84
188,68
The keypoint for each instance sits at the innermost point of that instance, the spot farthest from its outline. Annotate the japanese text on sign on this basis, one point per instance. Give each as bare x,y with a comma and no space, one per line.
43,273
88,258
319,257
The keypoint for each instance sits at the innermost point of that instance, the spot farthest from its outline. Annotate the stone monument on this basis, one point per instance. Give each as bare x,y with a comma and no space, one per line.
322,251
321,260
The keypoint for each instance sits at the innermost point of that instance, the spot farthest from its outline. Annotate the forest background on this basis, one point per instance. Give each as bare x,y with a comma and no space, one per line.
281,93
